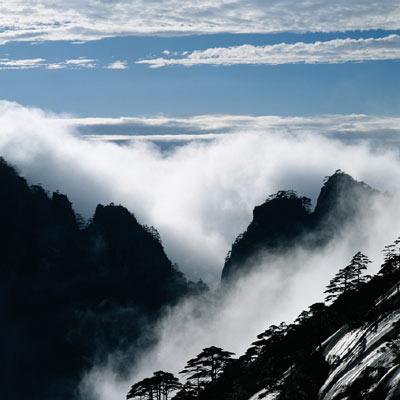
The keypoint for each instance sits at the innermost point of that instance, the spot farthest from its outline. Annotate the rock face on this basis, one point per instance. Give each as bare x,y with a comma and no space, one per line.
363,360
363,356
285,220
71,293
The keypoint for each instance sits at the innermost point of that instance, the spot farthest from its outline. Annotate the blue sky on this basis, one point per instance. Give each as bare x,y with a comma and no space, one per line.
73,76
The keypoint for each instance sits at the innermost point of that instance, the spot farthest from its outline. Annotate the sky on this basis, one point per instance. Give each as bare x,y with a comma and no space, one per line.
190,114
92,58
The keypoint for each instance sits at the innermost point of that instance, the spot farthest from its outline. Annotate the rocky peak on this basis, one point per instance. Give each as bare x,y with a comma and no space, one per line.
341,195
285,220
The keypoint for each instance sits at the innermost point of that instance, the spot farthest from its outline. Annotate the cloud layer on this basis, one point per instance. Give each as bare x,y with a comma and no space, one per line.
328,52
90,19
199,195
132,128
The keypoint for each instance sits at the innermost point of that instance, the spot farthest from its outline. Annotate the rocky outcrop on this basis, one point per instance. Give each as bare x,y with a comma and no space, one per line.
285,220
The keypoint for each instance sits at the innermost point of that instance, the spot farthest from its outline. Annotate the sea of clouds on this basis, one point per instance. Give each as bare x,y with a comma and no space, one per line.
200,195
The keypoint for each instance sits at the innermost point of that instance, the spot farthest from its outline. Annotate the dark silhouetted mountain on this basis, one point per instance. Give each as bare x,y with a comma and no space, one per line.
286,220
72,294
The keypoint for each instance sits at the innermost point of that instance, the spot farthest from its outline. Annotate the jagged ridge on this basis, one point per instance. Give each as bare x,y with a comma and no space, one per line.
285,220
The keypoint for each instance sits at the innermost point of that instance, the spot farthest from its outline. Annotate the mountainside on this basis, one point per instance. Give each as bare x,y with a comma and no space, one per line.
362,356
285,220
72,293
346,348
365,361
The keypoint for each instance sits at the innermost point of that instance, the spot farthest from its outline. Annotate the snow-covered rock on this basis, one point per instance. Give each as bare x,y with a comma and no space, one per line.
367,352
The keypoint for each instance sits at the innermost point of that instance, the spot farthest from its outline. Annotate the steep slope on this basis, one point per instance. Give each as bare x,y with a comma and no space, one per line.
285,220
365,361
363,357
71,294
346,350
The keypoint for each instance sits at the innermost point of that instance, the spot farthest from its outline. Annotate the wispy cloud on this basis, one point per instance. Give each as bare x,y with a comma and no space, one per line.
117,65
80,63
26,63
209,126
30,20
35,63
328,52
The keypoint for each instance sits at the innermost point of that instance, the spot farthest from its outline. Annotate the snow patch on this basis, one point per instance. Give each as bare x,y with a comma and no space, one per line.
355,351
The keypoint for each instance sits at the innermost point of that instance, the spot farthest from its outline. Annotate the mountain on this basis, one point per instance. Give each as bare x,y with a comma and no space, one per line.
348,349
285,220
71,292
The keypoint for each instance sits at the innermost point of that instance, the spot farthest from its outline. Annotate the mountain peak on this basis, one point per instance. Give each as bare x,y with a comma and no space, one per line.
340,196
281,218
285,220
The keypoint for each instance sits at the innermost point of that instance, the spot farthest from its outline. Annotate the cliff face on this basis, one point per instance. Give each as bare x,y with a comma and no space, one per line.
285,220
71,293
364,361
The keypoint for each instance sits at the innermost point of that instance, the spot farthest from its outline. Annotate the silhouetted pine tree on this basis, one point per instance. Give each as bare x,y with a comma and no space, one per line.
271,335
158,387
360,263
206,366
391,257
348,278
187,392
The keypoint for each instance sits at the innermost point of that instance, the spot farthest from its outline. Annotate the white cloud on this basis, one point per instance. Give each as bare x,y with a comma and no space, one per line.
55,66
25,63
210,124
80,63
328,52
117,65
199,206
153,138
91,19
31,63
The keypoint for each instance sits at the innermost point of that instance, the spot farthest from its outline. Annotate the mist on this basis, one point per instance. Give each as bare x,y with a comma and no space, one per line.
200,196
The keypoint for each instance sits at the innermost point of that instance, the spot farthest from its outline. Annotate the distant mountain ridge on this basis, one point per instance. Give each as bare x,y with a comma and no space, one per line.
285,220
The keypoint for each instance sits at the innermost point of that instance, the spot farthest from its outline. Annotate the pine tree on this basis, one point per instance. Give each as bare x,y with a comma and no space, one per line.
391,257
206,366
271,335
339,284
158,387
360,263
348,278
187,392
